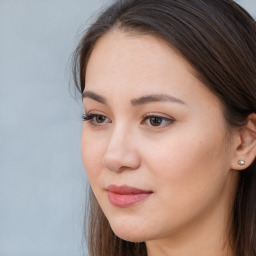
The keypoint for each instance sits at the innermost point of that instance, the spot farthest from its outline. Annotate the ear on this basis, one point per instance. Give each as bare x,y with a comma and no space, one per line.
245,148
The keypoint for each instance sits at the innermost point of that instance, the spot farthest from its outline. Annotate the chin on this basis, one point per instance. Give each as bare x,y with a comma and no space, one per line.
128,232
130,237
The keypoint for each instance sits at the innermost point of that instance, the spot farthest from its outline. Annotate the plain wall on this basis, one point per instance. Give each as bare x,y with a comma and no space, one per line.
42,180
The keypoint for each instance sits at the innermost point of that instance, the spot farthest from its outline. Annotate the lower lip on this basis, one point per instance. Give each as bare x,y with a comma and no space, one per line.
126,200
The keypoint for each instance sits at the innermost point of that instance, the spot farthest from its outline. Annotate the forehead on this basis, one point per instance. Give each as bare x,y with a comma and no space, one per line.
120,51
134,65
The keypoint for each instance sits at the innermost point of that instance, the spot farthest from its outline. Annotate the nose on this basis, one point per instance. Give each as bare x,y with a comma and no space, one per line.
121,153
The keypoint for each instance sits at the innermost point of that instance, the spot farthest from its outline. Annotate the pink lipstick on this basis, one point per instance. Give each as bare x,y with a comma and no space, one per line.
124,196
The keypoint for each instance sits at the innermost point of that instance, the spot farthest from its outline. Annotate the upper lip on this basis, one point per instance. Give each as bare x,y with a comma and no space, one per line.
126,190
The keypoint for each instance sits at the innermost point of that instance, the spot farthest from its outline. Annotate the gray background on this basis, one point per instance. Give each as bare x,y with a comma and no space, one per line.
42,181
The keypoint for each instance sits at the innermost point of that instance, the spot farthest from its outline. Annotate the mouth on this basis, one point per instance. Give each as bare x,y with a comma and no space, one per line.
124,196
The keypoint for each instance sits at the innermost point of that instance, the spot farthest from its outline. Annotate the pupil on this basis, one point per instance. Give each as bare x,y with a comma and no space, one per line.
155,121
100,119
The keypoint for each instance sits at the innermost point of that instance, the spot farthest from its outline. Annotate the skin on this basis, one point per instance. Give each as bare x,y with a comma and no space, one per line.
185,161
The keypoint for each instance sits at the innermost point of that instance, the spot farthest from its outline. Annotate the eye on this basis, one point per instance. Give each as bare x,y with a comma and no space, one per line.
96,119
157,121
100,119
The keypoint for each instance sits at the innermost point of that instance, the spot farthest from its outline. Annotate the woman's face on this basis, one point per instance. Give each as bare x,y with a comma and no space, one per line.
155,146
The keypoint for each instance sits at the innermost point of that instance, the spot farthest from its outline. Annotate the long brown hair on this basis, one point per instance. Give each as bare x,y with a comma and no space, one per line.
218,39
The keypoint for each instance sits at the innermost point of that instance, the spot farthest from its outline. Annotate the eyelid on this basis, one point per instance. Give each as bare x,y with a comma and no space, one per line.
94,113
158,115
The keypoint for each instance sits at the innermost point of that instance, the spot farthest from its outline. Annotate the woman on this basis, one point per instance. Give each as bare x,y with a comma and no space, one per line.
169,139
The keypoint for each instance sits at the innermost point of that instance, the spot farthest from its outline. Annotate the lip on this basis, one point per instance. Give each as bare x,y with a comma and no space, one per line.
124,196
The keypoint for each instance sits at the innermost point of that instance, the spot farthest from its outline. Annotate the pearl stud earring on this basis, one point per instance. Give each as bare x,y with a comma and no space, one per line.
241,162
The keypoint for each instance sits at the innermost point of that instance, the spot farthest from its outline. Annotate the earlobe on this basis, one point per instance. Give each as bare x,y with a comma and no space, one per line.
245,151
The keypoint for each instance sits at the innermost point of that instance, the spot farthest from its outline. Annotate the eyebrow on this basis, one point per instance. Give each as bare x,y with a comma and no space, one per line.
135,102
155,98
94,96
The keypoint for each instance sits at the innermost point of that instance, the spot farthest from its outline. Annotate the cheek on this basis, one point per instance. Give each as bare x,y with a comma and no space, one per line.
187,166
186,146
189,178
92,151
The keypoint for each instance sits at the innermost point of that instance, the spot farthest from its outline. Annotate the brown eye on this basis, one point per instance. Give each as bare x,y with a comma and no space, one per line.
155,121
96,120
100,119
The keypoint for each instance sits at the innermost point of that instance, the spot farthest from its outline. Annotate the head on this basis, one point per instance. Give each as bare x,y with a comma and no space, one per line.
169,89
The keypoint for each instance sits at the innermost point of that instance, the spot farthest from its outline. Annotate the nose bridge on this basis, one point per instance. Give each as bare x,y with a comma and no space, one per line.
118,133
121,150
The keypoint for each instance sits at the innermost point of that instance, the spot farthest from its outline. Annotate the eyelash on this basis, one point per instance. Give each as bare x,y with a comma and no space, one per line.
91,118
